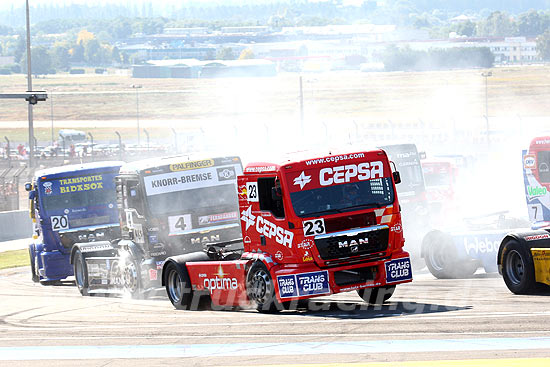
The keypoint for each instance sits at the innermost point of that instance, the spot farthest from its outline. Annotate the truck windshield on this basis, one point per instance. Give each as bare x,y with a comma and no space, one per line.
222,196
437,176
407,161
78,192
340,198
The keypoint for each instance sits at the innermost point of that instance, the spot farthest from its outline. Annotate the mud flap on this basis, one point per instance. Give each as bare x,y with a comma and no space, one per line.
541,260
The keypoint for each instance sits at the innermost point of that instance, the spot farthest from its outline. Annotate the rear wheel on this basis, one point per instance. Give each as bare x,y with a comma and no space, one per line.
378,295
80,273
261,289
34,275
178,286
518,269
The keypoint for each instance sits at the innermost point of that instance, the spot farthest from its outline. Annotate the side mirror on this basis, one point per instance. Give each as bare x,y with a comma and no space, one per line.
28,186
396,177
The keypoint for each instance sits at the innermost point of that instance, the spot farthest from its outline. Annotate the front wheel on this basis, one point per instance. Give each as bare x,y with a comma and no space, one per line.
518,269
178,286
261,289
376,296
80,273
442,259
131,276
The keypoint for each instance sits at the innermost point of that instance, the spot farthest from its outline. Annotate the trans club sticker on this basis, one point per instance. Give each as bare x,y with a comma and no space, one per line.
304,284
398,270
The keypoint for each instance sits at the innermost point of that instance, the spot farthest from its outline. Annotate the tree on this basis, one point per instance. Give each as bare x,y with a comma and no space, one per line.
498,24
41,62
532,23
543,45
60,57
225,53
466,28
246,54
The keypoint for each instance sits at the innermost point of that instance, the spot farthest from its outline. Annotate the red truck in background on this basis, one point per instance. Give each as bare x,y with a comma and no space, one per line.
310,227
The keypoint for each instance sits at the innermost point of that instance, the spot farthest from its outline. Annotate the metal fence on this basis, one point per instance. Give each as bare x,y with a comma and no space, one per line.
9,187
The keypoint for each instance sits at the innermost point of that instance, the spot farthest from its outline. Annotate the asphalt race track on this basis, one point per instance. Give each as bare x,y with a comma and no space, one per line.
430,322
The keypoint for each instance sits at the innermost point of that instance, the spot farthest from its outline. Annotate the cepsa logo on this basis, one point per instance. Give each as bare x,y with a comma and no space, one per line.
342,174
268,229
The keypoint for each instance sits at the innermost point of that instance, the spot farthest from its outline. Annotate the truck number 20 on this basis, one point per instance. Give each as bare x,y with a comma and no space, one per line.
314,227
59,222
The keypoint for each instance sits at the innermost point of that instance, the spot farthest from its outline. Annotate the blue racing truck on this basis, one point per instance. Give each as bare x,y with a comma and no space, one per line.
460,253
70,204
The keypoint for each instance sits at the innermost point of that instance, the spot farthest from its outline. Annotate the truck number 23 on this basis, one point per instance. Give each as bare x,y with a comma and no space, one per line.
314,227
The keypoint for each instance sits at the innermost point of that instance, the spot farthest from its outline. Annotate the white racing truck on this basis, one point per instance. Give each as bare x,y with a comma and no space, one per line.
167,207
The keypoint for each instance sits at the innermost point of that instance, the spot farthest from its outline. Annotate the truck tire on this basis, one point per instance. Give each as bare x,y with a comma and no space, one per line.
442,260
178,286
261,289
518,269
34,275
376,296
80,273
131,276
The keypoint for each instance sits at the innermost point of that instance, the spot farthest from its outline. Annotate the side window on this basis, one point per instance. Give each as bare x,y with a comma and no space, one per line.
270,194
543,162
134,200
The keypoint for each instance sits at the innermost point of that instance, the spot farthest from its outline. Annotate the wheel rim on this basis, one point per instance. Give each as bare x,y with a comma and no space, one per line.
515,267
175,287
130,277
79,272
260,286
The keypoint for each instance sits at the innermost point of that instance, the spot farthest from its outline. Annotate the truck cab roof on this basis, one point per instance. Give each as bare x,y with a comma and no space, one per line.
164,162
77,168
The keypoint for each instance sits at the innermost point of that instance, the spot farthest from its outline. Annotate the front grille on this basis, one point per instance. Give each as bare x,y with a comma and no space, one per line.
360,242
341,223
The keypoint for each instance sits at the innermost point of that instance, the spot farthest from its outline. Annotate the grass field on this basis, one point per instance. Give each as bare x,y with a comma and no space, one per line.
12,259
92,102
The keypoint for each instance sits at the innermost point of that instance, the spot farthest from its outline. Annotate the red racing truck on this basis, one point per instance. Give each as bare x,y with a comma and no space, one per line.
310,227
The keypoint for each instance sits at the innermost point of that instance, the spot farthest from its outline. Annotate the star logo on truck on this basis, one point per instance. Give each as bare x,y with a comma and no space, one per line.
248,217
302,180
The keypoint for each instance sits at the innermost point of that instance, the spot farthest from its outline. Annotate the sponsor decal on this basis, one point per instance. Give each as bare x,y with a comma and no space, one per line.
307,257
267,228
184,166
92,248
481,246
226,173
259,169
242,192
302,180
537,237
159,264
252,192
220,281
152,274
47,188
85,183
247,239
279,255
202,275
529,161
306,244
536,191
216,218
542,142
59,222
398,270
397,228
303,284
342,174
